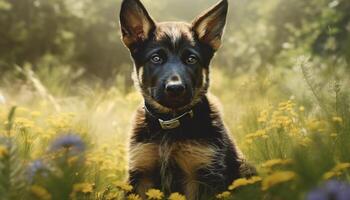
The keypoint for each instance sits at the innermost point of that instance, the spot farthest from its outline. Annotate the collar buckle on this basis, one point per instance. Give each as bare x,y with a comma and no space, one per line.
173,123
170,124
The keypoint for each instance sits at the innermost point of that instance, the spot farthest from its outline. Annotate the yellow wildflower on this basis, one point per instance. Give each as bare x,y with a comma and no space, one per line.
40,192
248,141
154,194
3,151
277,178
305,141
330,174
293,113
123,186
83,188
35,114
243,182
257,134
333,134
315,125
223,195
6,122
286,106
263,116
337,119
294,131
133,197
301,109
72,160
274,162
22,110
336,170
282,121
177,196
24,123
341,166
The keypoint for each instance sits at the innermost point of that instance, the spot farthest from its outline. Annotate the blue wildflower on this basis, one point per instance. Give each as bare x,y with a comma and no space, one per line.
72,143
331,190
37,168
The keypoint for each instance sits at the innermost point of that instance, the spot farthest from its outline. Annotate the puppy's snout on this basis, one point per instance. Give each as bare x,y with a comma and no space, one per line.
175,88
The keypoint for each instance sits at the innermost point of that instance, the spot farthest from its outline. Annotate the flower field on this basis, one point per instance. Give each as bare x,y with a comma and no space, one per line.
282,75
75,146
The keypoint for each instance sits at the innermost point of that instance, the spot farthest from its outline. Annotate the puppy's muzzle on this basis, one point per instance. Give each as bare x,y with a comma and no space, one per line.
175,89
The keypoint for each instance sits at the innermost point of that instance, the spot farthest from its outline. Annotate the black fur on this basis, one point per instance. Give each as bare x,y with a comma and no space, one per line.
198,158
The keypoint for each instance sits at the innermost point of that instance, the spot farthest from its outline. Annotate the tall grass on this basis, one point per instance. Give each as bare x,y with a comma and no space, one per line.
67,139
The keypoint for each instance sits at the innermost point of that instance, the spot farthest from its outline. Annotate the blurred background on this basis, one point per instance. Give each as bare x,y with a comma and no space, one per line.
71,48
83,37
69,53
282,76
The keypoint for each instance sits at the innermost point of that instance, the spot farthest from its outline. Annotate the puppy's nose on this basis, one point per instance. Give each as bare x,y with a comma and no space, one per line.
175,88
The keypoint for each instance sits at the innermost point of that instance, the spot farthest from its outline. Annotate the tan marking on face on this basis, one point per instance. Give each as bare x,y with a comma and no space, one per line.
199,93
144,157
205,74
175,31
140,75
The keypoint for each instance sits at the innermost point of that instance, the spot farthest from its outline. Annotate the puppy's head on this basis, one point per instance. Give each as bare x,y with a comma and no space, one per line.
172,58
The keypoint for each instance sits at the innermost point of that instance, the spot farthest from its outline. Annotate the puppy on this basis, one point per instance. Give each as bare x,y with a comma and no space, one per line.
179,142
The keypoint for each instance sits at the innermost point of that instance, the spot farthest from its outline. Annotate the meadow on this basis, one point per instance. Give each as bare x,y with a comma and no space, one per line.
67,99
75,147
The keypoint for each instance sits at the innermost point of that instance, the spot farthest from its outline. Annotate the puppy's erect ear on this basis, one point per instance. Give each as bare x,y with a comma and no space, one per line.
135,22
209,26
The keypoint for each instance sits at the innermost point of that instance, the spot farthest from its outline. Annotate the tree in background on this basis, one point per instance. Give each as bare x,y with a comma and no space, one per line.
84,33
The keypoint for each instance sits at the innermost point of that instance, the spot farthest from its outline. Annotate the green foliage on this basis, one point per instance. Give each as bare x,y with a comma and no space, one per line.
282,76
294,145
84,34
12,182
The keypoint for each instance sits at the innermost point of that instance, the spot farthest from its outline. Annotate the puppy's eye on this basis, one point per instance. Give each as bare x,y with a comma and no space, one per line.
192,59
156,59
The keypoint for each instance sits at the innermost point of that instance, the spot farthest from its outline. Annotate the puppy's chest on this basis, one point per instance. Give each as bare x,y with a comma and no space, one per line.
189,156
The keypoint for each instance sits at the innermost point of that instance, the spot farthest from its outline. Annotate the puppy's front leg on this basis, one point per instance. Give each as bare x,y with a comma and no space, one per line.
141,182
143,165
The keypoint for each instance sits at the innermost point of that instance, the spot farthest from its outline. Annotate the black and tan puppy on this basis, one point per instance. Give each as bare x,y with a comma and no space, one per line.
179,142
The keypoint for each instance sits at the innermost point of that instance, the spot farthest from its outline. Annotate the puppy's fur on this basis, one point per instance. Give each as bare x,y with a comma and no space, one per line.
171,59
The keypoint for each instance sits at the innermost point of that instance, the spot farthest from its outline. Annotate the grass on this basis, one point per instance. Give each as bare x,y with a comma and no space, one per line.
69,141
